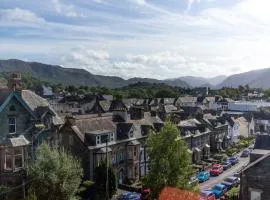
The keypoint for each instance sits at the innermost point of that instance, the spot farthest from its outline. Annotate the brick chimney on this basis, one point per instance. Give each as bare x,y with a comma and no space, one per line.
14,81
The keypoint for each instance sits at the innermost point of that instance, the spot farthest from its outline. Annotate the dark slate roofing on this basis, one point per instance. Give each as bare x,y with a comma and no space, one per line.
117,105
262,142
147,120
89,123
33,100
255,162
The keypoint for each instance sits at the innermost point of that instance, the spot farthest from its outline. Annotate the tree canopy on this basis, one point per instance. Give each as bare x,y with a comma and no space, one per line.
169,160
100,181
55,174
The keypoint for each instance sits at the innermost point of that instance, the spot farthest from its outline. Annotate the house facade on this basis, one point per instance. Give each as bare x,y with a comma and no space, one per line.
118,135
255,184
20,113
197,138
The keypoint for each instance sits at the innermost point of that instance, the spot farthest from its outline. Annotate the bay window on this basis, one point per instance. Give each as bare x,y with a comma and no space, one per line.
14,160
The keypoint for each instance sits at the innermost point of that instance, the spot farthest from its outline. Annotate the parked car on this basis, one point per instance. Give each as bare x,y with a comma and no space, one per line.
207,195
226,164
129,196
216,170
237,175
251,147
231,182
245,153
234,160
219,190
193,180
203,176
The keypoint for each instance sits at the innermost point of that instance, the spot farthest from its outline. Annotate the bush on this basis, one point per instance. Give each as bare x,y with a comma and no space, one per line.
234,192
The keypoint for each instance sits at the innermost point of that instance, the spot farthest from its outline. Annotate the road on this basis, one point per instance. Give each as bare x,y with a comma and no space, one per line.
218,179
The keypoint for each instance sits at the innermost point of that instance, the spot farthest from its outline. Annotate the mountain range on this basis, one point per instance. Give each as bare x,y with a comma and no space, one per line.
74,76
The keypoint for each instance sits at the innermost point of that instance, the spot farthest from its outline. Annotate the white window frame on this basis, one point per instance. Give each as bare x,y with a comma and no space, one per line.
111,137
8,153
256,194
9,124
21,155
98,139
11,153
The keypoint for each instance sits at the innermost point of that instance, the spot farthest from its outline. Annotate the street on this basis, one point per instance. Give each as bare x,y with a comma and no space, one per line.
218,179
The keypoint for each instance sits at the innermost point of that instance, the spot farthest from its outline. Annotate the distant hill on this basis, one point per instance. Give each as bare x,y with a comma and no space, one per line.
74,76
195,81
255,79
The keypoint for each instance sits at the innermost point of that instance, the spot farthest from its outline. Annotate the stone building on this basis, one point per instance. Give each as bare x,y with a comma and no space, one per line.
20,113
255,176
118,135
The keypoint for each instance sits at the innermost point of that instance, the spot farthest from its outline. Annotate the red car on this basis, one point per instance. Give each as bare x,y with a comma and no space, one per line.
216,170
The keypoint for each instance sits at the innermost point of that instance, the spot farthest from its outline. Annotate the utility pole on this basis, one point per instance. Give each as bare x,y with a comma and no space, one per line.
107,170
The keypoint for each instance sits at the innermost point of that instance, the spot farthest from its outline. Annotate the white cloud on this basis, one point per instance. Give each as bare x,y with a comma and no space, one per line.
163,45
65,9
19,15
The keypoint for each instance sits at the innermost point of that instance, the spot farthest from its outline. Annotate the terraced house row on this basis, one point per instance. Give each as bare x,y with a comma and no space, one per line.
94,126
121,134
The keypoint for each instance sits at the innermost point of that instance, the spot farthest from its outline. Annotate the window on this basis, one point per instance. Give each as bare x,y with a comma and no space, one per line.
113,158
129,152
111,137
14,159
12,125
8,159
104,138
98,139
18,158
131,134
135,151
255,194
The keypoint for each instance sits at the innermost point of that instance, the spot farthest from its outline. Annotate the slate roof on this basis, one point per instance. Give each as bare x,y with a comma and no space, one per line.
189,123
90,123
262,142
256,162
33,100
170,108
18,141
147,120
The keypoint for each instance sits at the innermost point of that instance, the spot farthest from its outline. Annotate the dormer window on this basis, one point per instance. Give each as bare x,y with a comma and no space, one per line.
131,134
12,125
111,137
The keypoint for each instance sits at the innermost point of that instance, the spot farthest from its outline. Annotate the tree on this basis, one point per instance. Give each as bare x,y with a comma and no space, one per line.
100,181
55,174
170,161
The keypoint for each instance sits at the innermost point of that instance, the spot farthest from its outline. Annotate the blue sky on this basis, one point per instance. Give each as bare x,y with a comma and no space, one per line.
139,38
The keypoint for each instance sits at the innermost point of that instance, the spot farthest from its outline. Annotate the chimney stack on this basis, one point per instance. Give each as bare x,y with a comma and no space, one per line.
14,82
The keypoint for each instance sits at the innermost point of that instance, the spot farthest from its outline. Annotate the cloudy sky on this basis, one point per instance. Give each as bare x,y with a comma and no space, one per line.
139,38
